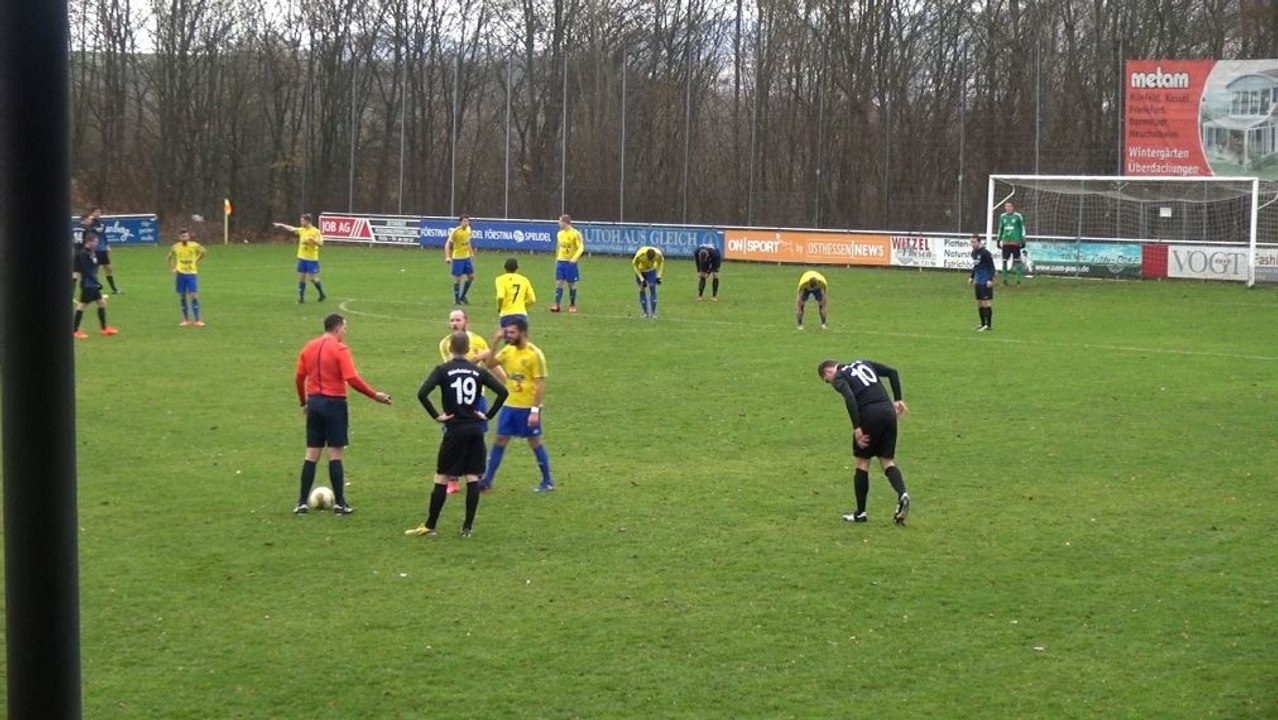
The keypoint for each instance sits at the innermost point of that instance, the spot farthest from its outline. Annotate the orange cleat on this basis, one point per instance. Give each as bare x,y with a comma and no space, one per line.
572,309
80,334
554,308
108,331
198,323
452,487
184,323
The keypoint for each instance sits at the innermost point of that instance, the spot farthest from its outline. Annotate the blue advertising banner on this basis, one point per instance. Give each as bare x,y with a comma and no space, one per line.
523,235
1091,259
673,241
125,229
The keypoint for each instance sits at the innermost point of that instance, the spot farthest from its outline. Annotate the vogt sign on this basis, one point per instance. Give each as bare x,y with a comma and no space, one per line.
1206,262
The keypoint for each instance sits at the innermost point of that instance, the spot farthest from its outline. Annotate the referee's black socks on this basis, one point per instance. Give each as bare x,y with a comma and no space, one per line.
701,286
714,287
307,481
861,483
898,481
337,476
437,497
102,317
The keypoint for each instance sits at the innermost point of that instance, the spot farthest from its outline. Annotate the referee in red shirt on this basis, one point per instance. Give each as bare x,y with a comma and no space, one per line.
324,369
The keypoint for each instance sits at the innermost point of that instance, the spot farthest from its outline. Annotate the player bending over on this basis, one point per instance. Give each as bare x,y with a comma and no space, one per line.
649,264
811,285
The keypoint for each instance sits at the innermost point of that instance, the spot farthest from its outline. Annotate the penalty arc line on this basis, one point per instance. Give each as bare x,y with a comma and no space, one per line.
345,307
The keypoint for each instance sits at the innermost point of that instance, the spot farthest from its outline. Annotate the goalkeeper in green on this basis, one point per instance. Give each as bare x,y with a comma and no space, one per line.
1011,240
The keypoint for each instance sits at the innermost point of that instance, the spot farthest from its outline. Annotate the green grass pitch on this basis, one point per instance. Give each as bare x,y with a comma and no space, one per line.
1093,532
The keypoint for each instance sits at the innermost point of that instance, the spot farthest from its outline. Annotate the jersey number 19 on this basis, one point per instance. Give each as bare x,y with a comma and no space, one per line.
466,389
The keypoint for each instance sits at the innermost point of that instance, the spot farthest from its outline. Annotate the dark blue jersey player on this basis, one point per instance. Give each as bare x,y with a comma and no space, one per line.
982,280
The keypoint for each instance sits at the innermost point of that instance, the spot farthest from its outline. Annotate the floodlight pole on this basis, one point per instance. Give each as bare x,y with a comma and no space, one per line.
42,614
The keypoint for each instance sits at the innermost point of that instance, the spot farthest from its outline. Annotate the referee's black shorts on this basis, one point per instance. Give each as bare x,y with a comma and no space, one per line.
461,452
879,422
983,291
327,422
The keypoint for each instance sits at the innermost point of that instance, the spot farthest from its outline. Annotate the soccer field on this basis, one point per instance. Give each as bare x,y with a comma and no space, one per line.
1093,531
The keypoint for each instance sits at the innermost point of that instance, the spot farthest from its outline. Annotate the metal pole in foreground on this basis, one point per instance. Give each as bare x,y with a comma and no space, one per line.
42,613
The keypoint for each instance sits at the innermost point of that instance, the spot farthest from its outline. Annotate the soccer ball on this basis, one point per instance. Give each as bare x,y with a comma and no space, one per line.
321,499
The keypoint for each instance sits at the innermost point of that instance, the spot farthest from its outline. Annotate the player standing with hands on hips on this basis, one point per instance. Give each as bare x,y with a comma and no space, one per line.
309,240
184,262
460,255
982,280
873,426
461,453
324,369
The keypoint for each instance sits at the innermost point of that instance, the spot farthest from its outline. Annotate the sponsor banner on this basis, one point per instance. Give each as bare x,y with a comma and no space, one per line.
673,241
1200,117
1207,262
524,235
124,229
1267,265
956,253
378,229
1090,259
918,251
808,248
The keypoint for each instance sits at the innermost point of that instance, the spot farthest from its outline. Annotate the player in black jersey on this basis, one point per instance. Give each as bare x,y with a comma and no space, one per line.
462,452
874,417
708,262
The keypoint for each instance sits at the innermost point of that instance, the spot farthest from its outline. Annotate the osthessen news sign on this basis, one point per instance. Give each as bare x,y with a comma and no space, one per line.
1200,117
807,247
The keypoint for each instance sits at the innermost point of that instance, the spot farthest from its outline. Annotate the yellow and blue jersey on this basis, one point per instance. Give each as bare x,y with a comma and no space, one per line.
186,257
643,265
514,294
460,238
309,241
522,367
477,345
808,277
570,246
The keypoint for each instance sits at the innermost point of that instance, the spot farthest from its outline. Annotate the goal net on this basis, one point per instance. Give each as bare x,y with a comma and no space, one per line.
1209,227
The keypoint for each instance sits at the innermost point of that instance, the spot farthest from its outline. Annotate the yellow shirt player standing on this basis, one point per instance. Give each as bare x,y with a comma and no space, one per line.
514,294
309,240
525,369
568,250
459,253
184,260
812,285
649,264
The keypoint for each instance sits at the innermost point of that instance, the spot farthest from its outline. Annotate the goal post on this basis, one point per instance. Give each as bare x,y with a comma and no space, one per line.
1210,215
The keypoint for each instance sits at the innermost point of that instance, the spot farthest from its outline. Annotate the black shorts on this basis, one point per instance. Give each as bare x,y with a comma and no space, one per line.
104,257
90,295
327,422
879,422
983,291
709,266
1010,251
462,451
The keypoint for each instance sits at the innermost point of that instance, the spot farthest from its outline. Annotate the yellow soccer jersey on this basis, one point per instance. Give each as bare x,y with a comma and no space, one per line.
570,246
460,237
522,367
186,257
514,294
643,264
477,345
308,243
813,275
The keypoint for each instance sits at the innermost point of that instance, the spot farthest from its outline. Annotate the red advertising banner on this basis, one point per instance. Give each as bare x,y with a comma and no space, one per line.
1201,117
809,248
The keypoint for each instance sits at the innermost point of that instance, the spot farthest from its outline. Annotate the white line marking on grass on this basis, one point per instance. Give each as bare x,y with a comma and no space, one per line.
984,338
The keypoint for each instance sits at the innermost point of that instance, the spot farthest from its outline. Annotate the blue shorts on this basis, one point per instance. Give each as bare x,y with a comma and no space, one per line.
310,267
513,422
327,422
649,276
464,266
806,293
187,284
567,271
504,320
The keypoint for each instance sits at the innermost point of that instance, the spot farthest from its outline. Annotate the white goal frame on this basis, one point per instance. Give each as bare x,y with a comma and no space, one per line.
994,204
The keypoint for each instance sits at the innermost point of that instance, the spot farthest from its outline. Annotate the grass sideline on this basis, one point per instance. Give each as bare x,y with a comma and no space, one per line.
1093,530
